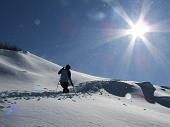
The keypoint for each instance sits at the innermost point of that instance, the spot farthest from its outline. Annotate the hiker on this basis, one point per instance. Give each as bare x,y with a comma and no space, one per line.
65,78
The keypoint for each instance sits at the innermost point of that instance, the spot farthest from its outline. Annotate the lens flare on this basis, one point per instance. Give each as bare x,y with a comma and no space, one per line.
128,96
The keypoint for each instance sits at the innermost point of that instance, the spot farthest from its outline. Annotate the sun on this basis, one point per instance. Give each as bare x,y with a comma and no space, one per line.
138,30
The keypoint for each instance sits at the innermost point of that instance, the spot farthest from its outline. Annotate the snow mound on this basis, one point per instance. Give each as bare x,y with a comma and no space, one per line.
117,88
129,89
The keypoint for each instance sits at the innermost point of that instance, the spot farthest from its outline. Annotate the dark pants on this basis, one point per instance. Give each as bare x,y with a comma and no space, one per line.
65,87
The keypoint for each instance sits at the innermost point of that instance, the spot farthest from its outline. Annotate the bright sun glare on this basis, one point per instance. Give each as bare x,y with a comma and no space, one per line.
138,30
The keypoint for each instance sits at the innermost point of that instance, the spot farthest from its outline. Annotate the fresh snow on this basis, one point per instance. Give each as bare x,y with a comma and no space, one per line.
25,71
29,98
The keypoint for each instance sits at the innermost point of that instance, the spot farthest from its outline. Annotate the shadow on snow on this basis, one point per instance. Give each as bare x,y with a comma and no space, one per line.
116,88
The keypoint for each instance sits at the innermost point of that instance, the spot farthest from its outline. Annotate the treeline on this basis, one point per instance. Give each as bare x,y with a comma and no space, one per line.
7,46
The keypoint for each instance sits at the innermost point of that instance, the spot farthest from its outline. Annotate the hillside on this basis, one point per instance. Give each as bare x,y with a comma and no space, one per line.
25,71
28,97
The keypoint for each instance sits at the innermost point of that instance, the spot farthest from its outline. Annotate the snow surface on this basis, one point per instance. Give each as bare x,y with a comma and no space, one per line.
25,71
29,98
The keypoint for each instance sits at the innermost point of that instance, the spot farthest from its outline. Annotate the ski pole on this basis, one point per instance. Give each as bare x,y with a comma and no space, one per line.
57,86
74,90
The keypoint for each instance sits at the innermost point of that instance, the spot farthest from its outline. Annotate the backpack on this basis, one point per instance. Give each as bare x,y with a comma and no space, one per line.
64,76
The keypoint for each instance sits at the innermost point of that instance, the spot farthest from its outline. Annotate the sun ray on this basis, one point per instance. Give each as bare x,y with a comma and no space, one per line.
128,53
156,53
124,15
144,9
113,34
120,11
153,50
159,27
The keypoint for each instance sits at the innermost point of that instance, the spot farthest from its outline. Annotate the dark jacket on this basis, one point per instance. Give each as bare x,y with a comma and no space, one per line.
68,73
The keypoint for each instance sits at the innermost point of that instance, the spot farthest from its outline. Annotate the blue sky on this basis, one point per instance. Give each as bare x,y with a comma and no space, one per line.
79,33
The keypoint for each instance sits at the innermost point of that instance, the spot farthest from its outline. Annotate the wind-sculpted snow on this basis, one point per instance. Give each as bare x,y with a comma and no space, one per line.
134,90
117,88
144,90
113,87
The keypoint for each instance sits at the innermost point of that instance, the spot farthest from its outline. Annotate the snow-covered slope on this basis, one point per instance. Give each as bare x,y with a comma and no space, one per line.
25,71
31,100
96,104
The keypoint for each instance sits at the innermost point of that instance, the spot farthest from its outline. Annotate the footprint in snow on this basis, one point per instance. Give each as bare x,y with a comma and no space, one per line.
1,107
124,104
38,99
8,107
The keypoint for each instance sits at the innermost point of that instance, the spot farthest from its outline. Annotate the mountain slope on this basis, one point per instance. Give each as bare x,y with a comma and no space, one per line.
28,97
25,71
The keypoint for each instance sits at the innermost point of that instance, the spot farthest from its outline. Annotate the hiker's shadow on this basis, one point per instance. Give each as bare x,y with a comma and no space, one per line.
148,91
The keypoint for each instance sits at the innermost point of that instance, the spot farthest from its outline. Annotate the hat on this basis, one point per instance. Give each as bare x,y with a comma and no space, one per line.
68,66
